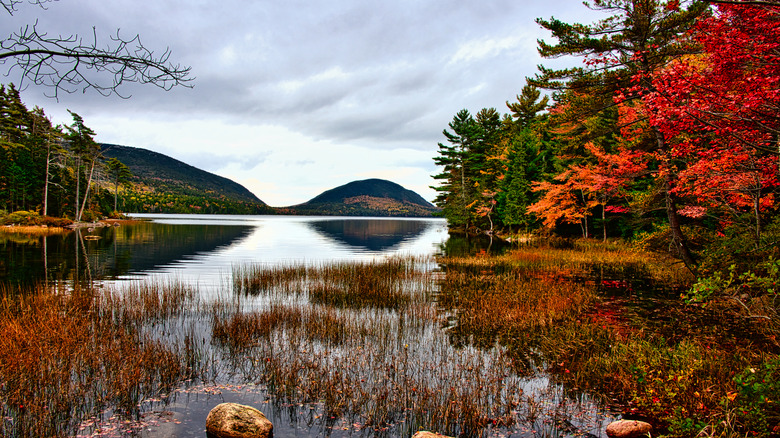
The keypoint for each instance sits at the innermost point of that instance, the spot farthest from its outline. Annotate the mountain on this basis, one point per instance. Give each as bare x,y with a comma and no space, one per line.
370,197
162,184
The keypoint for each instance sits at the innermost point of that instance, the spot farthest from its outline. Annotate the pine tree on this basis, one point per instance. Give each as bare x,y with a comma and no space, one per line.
120,174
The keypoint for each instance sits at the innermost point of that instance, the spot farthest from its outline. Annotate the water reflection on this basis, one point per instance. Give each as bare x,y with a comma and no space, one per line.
205,248
371,235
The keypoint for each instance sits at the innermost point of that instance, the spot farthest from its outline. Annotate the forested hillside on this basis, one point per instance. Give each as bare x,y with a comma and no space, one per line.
61,171
371,197
159,183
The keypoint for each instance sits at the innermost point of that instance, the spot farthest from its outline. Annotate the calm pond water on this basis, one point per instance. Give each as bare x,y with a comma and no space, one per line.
204,251
204,248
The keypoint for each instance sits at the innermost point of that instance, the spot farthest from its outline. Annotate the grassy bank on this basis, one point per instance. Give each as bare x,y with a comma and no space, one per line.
521,342
690,369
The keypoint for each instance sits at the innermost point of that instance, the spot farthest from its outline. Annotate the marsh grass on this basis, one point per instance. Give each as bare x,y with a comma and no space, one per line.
390,345
389,283
367,342
142,302
61,361
675,364
36,231
580,261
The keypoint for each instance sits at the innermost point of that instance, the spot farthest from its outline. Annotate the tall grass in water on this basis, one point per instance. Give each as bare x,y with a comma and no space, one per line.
582,260
390,283
63,359
142,302
367,342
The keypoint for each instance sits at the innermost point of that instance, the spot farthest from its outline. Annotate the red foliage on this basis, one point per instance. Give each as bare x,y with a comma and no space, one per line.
721,109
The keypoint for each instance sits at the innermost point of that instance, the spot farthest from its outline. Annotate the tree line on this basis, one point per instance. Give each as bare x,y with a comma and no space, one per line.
53,170
668,132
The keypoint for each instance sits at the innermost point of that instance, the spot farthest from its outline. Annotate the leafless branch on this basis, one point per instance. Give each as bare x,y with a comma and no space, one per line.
69,63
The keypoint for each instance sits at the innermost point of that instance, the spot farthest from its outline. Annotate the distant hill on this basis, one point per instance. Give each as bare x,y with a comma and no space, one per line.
163,184
370,197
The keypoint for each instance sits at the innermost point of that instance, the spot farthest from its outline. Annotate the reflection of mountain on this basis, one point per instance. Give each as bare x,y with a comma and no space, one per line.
373,235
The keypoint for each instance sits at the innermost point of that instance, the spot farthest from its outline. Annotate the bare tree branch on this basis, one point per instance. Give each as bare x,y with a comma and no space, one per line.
10,5
68,63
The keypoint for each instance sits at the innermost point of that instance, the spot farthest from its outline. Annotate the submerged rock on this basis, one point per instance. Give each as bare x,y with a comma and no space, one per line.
426,434
628,429
232,420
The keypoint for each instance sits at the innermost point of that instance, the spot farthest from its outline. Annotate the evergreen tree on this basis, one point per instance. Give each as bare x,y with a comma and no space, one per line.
120,174
86,151
454,189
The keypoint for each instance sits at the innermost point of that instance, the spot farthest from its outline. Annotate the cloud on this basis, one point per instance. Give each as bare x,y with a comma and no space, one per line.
297,96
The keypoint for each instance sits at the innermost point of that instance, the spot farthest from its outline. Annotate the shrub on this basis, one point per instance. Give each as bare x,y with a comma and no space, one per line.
22,218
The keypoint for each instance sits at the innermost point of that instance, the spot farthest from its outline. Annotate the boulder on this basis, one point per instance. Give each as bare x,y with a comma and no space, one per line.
232,420
629,429
426,434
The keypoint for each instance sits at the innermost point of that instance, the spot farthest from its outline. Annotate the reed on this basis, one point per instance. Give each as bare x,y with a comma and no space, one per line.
62,361
37,231
367,344
388,283
146,301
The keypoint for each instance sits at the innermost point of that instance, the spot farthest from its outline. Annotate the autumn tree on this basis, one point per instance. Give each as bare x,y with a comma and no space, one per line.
620,53
721,110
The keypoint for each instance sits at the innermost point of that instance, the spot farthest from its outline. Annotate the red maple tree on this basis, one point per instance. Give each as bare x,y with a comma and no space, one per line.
722,111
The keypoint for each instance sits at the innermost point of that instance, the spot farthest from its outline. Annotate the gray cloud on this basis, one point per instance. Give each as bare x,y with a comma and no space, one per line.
387,75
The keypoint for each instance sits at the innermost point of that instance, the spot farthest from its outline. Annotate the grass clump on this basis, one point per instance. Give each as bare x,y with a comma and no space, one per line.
62,361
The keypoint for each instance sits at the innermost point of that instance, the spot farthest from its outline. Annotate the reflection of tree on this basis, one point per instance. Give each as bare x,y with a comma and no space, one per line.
111,252
373,235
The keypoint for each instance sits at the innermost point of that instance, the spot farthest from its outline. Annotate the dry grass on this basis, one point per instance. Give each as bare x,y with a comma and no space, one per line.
33,230
61,361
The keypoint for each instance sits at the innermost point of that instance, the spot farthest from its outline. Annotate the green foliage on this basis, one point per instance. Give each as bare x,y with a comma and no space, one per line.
21,218
706,288
758,394
489,163
762,279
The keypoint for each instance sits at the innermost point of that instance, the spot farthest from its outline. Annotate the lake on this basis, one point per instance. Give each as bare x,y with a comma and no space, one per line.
326,368
204,248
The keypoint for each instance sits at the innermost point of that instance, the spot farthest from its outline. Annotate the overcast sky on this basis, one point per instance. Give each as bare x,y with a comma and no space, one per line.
292,98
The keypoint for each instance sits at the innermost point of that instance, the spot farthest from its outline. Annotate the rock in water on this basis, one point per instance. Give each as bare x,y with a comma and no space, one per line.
426,434
628,429
232,420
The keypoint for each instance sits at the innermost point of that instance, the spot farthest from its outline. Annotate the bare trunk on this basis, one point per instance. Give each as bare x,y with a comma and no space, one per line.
46,183
757,212
86,192
78,183
604,219
116,189
678,238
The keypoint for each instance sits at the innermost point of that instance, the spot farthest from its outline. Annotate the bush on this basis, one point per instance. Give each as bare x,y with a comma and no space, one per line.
59,222
31,218
22,218
758,390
